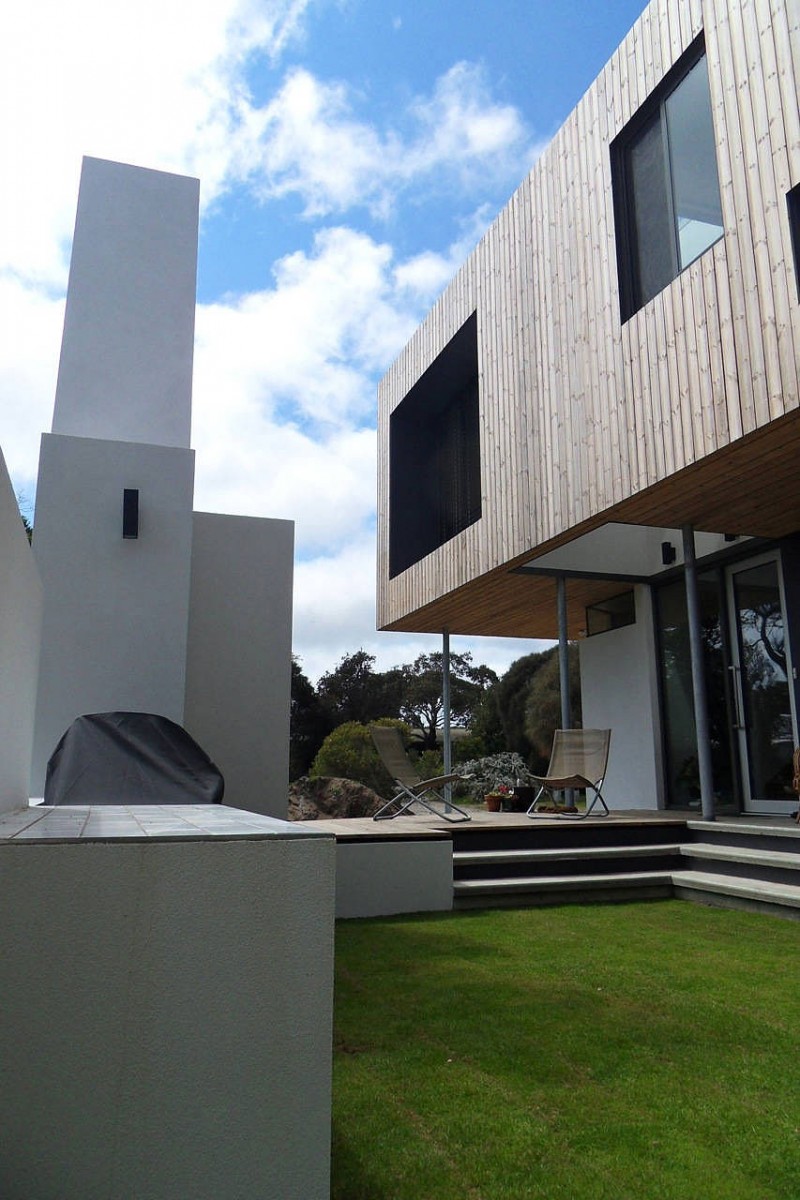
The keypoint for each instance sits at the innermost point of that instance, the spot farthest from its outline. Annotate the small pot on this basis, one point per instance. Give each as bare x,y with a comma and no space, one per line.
494,802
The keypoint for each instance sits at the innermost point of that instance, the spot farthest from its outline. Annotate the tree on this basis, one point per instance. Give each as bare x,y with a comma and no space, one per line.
543,706
511,696
354,691
422,705
309,723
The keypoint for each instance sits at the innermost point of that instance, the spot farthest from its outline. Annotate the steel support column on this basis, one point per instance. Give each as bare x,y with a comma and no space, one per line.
563,667
446,738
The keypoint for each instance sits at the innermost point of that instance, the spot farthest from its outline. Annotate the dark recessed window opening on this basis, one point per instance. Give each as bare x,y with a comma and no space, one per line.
793,201
434,454
666,185
609,614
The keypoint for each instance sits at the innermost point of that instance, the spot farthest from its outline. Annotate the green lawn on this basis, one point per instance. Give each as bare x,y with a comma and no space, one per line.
642,1051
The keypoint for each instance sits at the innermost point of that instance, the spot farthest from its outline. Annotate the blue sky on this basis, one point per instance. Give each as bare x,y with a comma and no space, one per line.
350,153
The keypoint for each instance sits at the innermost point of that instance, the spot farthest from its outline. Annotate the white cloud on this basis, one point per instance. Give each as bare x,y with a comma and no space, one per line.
31,324
334,614
284,395
156,83
308,140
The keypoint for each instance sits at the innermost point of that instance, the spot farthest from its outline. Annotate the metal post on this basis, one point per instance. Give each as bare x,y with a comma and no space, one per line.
698,676
446,740
563,668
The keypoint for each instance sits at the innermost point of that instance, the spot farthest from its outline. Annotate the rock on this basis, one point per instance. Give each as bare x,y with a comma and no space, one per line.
328,797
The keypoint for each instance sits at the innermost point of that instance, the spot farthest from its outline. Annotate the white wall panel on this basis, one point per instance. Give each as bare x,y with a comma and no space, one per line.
20,628
238,674
115,611
126,356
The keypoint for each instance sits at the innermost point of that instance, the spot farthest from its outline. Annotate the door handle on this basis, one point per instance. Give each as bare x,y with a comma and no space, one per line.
736,688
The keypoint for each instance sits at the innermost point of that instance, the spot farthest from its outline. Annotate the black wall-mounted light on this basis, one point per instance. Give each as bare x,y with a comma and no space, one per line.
130,513
668,553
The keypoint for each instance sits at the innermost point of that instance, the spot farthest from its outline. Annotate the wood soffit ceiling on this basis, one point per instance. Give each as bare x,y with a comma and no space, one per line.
751,487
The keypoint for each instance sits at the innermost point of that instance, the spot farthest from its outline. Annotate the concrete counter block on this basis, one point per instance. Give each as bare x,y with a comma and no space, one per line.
166,1019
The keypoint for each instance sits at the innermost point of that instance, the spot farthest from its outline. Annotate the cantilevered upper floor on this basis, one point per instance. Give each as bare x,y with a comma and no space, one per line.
622,345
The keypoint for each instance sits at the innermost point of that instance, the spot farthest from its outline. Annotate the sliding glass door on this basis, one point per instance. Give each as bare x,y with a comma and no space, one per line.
763,697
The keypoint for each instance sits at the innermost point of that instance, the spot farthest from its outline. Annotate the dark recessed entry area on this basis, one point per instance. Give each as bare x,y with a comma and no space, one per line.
434,454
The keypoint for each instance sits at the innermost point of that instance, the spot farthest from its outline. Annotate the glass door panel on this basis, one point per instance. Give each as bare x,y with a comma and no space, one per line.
680,738
764,720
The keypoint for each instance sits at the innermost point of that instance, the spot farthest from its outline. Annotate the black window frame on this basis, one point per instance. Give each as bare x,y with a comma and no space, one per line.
434,454
631,300
793,208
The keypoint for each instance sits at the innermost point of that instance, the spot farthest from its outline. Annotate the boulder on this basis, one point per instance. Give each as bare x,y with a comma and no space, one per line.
329,797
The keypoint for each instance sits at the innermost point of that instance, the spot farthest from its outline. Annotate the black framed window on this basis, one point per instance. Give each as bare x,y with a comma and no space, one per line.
666,184
434,454
612,613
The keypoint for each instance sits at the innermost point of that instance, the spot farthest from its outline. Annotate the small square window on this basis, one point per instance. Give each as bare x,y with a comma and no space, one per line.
613,613
666,186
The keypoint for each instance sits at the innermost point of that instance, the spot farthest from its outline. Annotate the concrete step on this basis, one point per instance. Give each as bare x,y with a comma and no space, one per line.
734,891
561,889
468,858
745,855
790,831
780,836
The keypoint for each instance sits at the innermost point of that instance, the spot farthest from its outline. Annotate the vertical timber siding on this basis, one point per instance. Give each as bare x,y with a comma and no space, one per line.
579,412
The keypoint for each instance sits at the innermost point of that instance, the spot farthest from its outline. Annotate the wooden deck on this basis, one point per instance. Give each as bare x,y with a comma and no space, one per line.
426,826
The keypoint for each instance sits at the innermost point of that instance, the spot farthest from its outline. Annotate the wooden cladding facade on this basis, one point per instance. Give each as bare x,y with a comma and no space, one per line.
689,410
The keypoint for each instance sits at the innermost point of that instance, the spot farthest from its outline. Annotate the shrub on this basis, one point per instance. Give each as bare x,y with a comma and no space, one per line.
489,773
349,753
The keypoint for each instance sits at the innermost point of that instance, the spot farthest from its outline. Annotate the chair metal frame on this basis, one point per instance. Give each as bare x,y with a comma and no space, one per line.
579,760
410,789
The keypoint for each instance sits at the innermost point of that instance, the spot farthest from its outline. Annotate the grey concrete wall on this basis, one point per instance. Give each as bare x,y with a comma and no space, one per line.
166,1020
126,356
238,671
20,627
378,879
619,692
116,611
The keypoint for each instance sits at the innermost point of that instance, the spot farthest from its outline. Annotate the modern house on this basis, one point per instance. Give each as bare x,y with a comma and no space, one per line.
603,407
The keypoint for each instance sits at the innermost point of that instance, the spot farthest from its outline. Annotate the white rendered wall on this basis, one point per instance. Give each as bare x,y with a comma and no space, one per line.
126,357
166,1028
619,692
20,625
238,671
379,879
115,611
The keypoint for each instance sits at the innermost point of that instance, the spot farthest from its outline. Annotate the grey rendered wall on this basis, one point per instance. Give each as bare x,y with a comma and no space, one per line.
619,692
126,357
238,671
115,611
378,879
166,1030
20,625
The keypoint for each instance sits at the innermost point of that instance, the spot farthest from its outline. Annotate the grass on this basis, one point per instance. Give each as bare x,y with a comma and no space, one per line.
643,1051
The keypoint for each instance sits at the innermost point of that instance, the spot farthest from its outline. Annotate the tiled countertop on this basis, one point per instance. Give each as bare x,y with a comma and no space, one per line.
144,823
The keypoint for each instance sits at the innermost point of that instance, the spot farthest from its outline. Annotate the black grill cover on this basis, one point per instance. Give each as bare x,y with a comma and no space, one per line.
130,758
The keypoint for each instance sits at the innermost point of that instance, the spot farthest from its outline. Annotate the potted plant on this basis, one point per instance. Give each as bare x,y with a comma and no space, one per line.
494,799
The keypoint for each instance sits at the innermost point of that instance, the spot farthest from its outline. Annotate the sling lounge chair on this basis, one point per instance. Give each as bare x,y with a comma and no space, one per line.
409,788
579,760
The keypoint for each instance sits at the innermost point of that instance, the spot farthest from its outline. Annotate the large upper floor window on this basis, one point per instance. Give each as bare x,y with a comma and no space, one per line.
434,454
666,186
